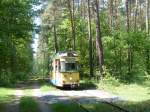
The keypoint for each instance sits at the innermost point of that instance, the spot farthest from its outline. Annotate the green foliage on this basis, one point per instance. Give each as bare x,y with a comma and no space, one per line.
15,41
118,44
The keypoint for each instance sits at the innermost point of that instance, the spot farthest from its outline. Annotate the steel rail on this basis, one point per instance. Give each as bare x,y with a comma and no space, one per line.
113,105
78,103
73,99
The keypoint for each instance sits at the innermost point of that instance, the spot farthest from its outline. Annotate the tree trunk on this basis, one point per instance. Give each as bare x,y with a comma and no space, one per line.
127,15
55,39
99,46
147,35
135,17
111,14
90,40
71,12
147,17
129,45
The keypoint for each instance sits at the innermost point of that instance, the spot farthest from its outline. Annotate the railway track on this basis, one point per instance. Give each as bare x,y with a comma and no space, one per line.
75,100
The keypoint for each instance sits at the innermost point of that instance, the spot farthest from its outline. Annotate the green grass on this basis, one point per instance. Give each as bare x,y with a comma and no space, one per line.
100,107
28,104
6,91
72,107
129,92
6,96
135,96
28,92
135,106
68,107
47,87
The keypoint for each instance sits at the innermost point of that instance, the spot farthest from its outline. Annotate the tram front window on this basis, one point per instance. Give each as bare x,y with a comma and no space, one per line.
68,67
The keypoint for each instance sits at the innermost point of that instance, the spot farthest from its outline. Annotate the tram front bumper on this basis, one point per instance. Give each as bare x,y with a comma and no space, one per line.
72,85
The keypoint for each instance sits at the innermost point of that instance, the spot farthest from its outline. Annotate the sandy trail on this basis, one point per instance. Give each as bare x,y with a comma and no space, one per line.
36,93
44,107
14,106
83,96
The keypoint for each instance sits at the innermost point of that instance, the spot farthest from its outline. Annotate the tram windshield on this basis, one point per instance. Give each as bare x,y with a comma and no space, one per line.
67,67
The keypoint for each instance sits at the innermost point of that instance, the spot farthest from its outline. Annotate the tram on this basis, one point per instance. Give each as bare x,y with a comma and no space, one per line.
64,70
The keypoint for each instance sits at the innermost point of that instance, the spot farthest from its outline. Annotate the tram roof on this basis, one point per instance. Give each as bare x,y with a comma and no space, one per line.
66,54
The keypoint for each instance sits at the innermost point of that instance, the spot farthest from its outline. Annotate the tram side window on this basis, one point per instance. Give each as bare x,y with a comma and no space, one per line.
62,66
57,68
57,65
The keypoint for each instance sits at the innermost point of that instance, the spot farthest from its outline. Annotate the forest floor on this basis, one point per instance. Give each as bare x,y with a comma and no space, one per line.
38,96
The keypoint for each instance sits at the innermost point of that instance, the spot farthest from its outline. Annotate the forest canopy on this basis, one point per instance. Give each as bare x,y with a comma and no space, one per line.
110,36
15,40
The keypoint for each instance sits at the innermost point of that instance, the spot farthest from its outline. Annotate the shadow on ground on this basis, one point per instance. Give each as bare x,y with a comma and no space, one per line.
96,105
91,103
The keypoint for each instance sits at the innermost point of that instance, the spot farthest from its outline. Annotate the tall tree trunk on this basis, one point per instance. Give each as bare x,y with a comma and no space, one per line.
90,40
55,39
140,11
135,16
127,15
129,45
147,35
72,19
147,17
54,31
111,14
116,15
99,46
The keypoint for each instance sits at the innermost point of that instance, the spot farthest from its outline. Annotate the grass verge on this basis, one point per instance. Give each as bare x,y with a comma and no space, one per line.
135,96
128,92
68,107
6,96
28,104
72,107
45,86
101,107
143,106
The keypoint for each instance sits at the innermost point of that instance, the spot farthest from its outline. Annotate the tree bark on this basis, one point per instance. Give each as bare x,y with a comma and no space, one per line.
99,46
129,45
111,14
90,40
147,35
135,17
72,19
147,17
55,39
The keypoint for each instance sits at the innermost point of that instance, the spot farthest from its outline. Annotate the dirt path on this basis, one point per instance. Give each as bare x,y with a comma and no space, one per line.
44,99
37,93
14,105
83,96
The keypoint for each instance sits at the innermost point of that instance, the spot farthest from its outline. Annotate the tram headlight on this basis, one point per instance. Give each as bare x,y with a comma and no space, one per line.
63,82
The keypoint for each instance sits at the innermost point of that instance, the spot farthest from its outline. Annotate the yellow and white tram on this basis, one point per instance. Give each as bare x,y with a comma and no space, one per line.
64,70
